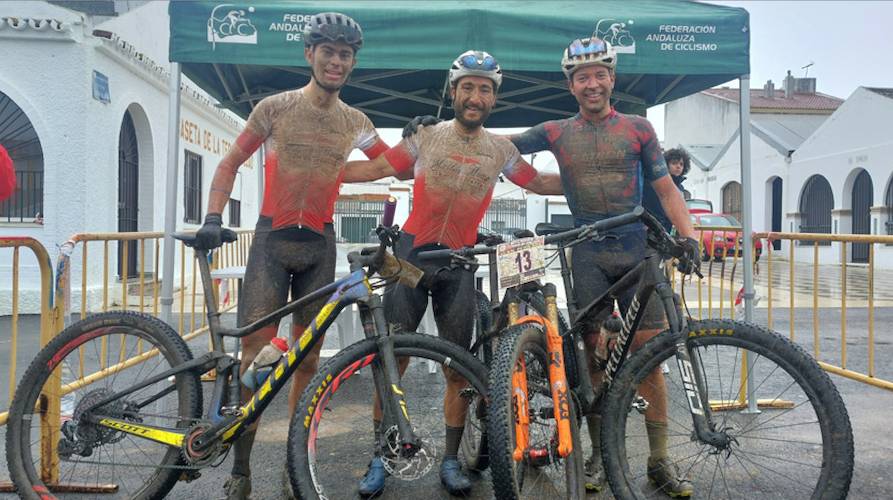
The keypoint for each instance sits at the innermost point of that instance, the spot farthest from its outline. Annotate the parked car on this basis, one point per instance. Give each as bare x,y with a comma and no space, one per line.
696,206
719,242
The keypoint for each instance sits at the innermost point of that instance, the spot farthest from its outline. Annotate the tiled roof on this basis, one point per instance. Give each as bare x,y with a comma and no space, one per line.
809,102
888,93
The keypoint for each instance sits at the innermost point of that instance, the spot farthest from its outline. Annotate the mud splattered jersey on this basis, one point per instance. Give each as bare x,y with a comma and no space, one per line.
454,179
603,164
306,148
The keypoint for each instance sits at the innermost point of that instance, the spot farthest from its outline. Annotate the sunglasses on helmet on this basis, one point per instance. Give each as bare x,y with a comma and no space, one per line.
488,63
335,31
586,46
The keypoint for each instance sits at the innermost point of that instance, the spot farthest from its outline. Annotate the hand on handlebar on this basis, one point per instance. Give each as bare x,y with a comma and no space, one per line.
690,261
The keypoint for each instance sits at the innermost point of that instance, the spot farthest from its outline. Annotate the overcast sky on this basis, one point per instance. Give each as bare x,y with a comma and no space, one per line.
849,43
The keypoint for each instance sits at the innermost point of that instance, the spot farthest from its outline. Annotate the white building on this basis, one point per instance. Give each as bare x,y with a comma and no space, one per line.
84,113
706,125
840,176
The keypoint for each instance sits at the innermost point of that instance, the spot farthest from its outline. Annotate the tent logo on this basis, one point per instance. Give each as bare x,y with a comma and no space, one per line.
228,24
615,33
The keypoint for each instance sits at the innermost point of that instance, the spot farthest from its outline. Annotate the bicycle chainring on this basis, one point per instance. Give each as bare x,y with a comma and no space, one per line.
199,458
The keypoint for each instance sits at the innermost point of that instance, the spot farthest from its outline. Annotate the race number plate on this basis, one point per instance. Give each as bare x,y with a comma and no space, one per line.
521,261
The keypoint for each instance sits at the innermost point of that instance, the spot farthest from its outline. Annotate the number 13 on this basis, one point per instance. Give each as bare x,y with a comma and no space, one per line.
523,261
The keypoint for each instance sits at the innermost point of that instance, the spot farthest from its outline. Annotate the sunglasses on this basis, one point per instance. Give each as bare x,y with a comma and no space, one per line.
586,47
488,63
335,31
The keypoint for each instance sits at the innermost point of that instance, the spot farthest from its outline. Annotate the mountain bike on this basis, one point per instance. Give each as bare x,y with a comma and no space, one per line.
114,403
795,443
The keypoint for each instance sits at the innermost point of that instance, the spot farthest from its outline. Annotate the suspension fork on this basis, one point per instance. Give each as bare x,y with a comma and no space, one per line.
557,382
386,373
690,370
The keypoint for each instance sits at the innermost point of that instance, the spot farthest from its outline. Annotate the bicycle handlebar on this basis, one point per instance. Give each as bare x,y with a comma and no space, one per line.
589,230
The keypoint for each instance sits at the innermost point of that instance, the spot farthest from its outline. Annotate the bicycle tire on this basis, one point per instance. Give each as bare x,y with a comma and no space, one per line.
473,447
515,480
757,469
347,439
76,341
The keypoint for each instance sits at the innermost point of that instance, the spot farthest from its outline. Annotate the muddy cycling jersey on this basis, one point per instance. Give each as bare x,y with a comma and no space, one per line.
306,148
603,164
454,179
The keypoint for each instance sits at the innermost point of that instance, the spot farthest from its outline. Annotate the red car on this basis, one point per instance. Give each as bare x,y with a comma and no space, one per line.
717,243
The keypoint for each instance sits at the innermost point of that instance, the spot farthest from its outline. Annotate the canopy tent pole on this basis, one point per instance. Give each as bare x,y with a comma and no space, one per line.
747,225
170,198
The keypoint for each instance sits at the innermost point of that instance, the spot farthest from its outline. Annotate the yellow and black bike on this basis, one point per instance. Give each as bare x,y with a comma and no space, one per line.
113,404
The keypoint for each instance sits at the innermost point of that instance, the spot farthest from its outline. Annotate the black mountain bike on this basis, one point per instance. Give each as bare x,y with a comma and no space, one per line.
114,404
797,444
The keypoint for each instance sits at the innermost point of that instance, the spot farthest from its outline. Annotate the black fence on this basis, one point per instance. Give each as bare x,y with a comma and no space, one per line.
26,203
505,216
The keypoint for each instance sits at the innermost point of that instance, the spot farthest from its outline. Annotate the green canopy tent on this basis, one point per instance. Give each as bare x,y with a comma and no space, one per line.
243,51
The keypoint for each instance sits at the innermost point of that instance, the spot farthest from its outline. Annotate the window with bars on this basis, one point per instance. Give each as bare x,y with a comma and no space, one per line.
192,188
18,136
235,213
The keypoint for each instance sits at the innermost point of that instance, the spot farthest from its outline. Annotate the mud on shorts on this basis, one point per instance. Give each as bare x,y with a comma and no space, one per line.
451,291
596,265
291,259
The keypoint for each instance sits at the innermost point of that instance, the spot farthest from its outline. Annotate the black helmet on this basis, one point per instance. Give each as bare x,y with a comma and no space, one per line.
333,27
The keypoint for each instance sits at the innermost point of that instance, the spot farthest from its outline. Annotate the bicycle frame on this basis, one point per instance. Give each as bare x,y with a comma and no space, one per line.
231,421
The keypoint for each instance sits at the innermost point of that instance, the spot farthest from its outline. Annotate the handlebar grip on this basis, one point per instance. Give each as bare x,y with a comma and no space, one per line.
437,254
390,207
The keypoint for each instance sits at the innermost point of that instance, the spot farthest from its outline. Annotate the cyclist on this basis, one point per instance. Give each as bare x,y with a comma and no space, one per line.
604,157
678,164
308,134
455,164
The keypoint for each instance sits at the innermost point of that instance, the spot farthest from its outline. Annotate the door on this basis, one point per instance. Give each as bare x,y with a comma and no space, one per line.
776,211
862,200
128,194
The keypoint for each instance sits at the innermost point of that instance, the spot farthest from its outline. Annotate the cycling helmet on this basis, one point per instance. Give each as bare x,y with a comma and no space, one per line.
586,52
476,63
333,27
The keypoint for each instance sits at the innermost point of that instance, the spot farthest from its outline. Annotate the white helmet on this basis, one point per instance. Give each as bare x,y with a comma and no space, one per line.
476,63
587,52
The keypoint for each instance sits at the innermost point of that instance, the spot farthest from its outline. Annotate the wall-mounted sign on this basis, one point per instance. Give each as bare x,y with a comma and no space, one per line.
101,87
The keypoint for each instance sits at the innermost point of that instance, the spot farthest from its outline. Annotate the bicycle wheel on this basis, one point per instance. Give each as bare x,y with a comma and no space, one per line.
115,350
541,473
330,438
473,447
800,444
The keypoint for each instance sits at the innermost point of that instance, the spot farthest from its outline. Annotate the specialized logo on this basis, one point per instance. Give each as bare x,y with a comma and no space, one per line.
616,33
622,339
230,24
688,382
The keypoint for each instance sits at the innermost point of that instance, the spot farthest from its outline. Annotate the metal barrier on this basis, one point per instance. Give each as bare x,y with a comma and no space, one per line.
805,285
50,324
56,310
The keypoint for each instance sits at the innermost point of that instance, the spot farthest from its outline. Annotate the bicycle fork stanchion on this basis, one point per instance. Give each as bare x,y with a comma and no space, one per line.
390,392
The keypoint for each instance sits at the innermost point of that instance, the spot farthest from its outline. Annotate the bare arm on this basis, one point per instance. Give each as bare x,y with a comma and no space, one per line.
674,205
225,175
368,170
545,183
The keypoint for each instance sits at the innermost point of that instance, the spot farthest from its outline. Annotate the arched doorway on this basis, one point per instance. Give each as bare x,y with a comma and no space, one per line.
863,198
816,203
731,199
18,136
128,193
775,213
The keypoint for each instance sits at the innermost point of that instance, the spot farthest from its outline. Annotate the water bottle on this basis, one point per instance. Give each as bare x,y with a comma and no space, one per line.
610,330
263,363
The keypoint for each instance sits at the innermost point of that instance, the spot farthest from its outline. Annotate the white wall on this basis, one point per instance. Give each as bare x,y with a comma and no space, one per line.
856,137
79,137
